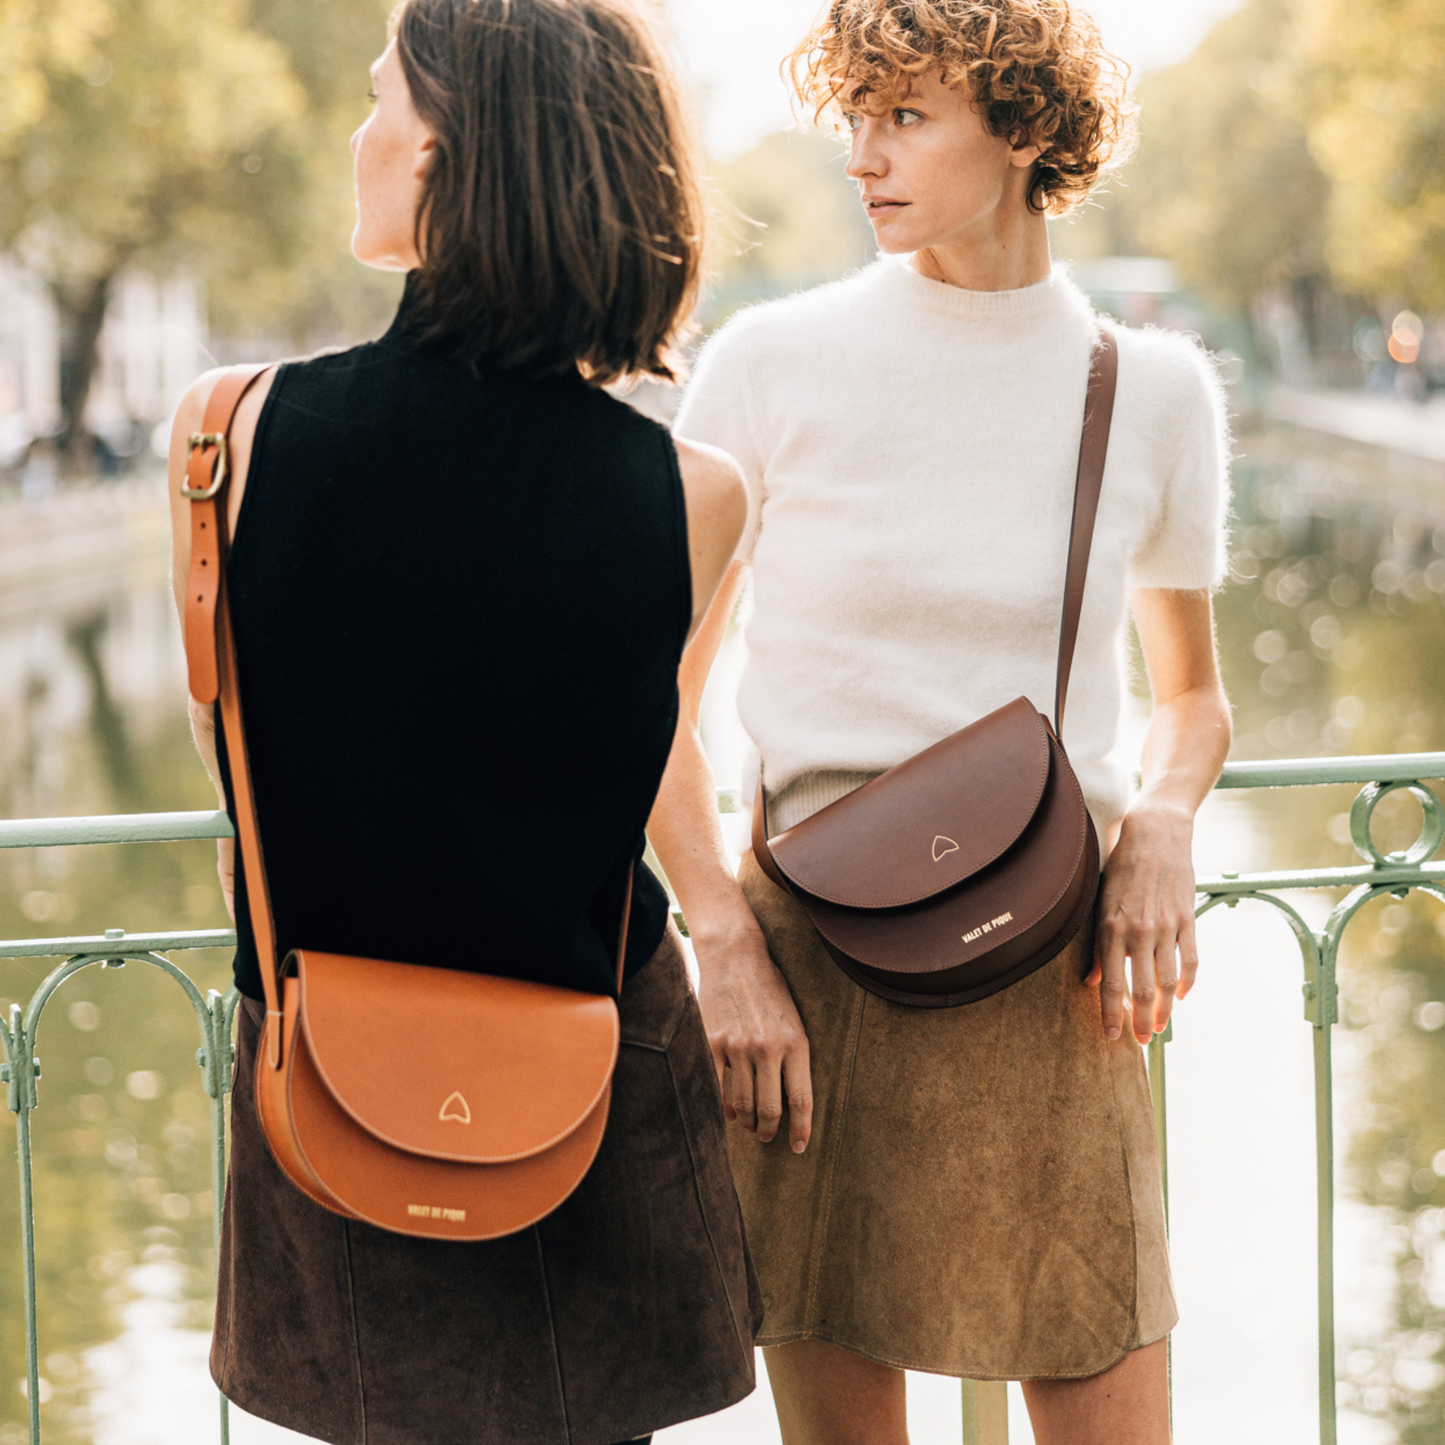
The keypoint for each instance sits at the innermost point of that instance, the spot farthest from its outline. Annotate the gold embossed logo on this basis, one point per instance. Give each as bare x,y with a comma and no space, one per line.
435,1211
988,927
942,847
456,1109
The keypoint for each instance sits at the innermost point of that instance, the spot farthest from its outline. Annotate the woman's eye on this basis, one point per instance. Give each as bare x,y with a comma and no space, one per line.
371,96
906,117
852,121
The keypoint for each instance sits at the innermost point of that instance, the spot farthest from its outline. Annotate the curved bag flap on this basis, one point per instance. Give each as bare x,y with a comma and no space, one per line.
454,1065
929,823
995,919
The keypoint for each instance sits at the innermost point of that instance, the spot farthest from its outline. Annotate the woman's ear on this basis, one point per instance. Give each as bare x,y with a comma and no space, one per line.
425,155
1023,151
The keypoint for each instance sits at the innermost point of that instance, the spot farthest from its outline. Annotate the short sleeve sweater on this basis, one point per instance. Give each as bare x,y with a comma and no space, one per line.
910,450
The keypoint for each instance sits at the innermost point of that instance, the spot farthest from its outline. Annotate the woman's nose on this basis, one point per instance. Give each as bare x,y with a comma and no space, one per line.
866,159
356,138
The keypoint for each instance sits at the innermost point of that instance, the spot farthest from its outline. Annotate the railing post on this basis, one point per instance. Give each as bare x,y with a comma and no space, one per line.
216,1059
1322,1010
20,1072
985,1412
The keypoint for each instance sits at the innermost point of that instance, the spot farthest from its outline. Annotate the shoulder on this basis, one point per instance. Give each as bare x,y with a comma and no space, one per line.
757,331
1168,371
714,485
196,402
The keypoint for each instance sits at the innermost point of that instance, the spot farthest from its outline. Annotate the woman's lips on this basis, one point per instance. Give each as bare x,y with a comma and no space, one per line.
880,207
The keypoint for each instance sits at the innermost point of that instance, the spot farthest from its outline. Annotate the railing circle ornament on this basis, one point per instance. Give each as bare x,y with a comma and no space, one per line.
1432,825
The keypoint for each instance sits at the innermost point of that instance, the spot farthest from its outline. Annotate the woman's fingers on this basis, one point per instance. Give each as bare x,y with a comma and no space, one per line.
1188,957
1166,982
1107,974
798,1080
1145,991
769,1093
744,1095
724,1077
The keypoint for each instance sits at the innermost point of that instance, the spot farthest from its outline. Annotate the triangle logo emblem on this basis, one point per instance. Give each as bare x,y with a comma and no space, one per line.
942,847
456,1109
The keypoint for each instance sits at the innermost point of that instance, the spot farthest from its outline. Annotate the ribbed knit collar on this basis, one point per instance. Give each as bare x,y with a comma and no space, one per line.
1055,294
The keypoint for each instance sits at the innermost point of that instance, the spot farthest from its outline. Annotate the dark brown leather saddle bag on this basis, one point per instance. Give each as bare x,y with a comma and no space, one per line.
975,862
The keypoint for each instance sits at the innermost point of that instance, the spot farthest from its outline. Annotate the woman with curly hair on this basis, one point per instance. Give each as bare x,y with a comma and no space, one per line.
971,1191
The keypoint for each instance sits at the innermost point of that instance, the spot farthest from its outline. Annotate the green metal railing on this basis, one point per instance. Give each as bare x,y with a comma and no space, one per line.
985,1403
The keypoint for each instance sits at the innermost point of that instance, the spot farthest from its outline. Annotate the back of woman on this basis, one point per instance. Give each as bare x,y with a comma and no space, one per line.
461,580
459,599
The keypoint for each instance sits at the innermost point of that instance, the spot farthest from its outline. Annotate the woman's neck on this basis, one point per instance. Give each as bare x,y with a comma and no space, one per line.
1008,258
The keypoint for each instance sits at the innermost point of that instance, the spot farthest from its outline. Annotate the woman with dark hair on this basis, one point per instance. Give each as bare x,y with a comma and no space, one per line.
970,1190
461,583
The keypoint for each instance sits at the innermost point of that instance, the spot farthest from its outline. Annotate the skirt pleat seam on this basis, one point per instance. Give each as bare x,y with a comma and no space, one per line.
825,1209
536,1234
744,1350
355,1328
1133,1334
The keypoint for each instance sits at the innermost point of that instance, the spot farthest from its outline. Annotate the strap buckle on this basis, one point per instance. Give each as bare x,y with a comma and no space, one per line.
199,440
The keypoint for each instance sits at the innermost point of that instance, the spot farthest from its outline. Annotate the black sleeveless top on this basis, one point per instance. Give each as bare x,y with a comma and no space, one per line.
459,599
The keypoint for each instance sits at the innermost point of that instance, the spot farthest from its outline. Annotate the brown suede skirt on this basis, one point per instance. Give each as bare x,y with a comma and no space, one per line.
631,1308
981,1196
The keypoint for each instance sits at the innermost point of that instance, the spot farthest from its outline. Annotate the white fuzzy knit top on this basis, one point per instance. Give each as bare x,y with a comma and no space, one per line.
911,450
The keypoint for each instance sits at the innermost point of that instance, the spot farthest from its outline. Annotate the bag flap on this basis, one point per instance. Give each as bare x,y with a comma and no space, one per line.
454,1065
929,823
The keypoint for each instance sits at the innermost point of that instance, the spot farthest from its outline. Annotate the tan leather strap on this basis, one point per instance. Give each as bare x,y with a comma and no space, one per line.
208,478
211,654
1093,453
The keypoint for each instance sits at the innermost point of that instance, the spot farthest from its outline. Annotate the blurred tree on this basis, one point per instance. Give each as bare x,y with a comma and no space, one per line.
126,129
1224,184
161,132
1377,129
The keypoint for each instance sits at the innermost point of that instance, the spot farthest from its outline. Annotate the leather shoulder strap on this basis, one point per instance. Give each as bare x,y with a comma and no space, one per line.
211,653
1093,453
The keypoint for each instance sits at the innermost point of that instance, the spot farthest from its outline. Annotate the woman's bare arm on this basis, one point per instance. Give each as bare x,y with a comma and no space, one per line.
752,1022
1147,908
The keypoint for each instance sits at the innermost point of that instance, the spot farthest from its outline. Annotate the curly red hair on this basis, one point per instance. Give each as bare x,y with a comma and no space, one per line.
1037,69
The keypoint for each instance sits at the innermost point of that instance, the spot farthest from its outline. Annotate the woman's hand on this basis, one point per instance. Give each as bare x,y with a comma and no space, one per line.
1146,913
1146,910
757,1039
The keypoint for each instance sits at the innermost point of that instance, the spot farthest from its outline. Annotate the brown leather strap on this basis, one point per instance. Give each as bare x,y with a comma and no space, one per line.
211,655
1093,453
208,477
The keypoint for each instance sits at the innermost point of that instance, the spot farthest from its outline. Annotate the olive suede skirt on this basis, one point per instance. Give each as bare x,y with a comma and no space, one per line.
981,1197
631,1307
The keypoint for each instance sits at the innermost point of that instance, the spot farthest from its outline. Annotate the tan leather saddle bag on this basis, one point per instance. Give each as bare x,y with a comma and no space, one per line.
425,1101
975,862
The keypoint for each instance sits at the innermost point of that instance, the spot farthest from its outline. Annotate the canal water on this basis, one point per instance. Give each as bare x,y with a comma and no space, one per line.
1333,638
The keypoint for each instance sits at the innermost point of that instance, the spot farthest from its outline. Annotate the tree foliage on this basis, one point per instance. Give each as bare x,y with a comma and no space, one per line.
1224,183
166,132
1304,140
1377,128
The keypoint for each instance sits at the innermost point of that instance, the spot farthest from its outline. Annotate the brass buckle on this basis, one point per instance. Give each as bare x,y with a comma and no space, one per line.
209,439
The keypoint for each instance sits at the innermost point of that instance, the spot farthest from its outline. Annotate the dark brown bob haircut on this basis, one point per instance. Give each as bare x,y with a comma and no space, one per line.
562,223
